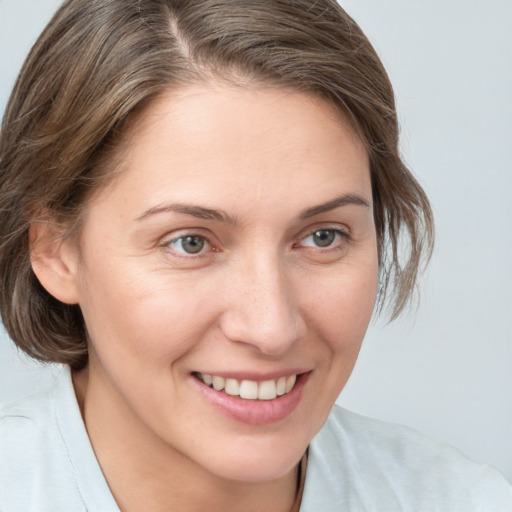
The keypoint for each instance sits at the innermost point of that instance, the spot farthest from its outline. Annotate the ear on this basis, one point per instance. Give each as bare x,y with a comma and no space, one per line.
54,261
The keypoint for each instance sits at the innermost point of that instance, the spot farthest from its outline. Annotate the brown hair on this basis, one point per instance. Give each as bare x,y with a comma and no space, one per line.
100,61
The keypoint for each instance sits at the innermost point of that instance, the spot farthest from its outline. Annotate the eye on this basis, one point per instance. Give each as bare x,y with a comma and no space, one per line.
189,244
322,238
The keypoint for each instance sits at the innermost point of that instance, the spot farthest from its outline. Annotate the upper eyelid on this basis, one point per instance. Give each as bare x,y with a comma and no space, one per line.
344,231
170,237
174,235
329,228
343,240
167,240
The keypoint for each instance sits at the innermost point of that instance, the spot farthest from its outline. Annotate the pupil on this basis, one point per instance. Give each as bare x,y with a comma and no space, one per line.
324,237
192,244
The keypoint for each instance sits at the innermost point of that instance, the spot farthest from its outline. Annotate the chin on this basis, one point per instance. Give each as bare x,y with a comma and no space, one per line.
255,466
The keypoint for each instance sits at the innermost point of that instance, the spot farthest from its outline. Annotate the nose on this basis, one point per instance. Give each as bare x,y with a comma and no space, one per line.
262,306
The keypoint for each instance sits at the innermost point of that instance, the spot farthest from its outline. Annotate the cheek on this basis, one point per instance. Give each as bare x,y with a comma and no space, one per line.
136,317
338,312
342,307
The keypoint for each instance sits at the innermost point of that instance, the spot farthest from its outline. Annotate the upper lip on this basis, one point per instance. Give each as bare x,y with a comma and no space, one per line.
254,376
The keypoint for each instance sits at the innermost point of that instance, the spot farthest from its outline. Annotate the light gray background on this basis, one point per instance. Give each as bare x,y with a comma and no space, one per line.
446,369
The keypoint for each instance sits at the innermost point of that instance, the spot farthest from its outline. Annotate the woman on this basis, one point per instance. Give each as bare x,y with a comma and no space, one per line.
203,204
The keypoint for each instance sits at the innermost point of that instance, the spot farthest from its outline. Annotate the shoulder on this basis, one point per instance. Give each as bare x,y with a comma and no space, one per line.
35,473
24,422
382,466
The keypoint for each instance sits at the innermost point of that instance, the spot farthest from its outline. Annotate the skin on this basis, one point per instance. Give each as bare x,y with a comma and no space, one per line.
260,297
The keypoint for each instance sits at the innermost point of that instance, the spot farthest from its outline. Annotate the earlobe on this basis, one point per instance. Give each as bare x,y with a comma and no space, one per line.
54,261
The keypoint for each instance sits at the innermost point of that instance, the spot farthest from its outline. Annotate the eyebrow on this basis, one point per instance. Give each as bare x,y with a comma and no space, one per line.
221,216
344,200
193,210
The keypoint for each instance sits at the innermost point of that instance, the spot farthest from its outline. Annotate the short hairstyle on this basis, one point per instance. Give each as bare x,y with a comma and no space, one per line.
100,62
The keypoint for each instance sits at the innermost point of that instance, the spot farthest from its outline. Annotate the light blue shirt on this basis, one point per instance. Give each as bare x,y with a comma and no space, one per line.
355,464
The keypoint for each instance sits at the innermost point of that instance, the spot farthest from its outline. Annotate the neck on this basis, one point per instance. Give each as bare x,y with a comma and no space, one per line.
145,473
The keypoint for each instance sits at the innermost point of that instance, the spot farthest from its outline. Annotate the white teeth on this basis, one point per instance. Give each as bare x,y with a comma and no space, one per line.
232,387
290,382
250,389
281,386
218,383
267,390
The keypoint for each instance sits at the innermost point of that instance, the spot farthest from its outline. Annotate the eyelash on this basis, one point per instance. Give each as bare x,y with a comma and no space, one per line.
341,234
205,240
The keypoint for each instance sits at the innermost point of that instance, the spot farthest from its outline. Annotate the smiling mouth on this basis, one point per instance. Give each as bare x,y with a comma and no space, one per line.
249,389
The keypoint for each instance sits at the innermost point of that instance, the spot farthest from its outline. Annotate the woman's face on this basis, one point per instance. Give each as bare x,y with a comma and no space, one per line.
235,254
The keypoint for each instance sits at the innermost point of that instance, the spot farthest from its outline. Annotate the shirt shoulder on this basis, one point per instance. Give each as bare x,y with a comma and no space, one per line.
46,461
366,464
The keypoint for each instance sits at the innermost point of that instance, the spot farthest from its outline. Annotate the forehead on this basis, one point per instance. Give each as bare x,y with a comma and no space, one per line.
210,142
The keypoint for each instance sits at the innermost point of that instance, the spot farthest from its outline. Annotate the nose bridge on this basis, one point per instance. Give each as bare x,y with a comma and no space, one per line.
263,308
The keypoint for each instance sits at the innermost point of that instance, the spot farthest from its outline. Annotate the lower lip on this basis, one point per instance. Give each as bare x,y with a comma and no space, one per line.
255,412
